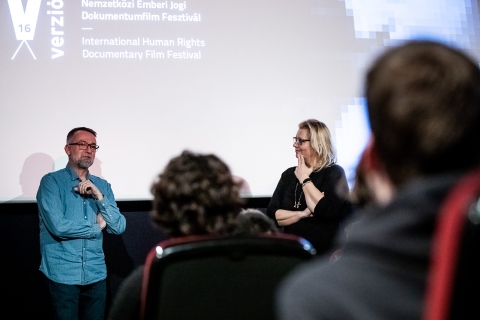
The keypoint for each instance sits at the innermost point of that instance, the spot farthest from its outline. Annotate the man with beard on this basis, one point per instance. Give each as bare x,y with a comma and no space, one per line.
74,207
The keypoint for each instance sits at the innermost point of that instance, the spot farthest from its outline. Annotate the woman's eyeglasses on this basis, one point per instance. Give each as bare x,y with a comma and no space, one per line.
299,140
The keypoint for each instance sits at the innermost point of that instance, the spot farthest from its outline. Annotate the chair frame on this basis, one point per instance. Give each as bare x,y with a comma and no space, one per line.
193,247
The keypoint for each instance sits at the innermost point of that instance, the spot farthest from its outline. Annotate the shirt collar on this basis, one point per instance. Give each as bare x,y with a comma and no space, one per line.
73,174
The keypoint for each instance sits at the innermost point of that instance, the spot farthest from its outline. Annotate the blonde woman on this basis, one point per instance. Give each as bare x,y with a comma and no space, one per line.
311,199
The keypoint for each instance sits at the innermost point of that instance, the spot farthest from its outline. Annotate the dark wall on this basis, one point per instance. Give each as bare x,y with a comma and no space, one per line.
21,282
23,285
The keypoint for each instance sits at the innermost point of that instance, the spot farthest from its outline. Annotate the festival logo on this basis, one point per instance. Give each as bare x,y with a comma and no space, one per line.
24,21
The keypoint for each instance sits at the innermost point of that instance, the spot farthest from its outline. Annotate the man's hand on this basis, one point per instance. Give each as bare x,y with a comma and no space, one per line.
101,221
87,187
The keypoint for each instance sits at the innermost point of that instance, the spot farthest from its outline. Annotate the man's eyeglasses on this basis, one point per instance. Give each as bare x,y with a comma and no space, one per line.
83,145
299,140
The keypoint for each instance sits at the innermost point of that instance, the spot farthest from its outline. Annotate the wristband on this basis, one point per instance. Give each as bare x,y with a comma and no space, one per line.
306,181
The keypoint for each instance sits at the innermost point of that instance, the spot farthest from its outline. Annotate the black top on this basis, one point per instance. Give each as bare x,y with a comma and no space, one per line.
382,270
329,212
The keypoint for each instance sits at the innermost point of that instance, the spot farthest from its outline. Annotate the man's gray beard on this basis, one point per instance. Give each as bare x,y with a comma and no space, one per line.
85,163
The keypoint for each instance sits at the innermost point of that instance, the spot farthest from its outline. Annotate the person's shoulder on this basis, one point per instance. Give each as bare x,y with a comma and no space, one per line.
126,304
320,290
289,171
312,279
132,284
331,170
330,270
288,174
136,274
303,275
334,168
96,179
56,174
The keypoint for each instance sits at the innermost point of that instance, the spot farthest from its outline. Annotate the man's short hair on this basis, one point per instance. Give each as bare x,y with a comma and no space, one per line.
196,194
424,107
72,132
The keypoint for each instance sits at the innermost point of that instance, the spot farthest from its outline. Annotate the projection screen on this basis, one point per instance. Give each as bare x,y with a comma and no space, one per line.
233,78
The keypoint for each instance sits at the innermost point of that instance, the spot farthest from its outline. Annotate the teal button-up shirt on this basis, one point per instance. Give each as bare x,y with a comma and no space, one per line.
70,238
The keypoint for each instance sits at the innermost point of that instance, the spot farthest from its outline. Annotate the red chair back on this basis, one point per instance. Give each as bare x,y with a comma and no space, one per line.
455,255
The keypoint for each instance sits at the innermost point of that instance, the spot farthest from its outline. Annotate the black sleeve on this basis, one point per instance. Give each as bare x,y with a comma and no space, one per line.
126,305
276,200
333,205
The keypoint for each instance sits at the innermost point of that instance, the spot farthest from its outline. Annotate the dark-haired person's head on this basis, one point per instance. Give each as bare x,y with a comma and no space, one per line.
424,108
196,194
81,147
253,222
72,132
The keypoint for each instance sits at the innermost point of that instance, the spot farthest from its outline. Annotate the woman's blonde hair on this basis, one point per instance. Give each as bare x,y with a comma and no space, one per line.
321,142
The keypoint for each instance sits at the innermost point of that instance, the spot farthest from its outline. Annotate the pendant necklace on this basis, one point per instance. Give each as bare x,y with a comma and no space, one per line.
297,204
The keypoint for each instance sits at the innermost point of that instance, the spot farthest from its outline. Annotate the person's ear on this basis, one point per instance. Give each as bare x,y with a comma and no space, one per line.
67,149
371,160
376,177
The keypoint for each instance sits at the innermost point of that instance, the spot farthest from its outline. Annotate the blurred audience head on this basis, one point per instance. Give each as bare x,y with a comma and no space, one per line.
196,194
252,222
424,108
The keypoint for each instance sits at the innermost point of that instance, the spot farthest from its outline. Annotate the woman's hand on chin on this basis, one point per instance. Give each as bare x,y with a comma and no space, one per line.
302,171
